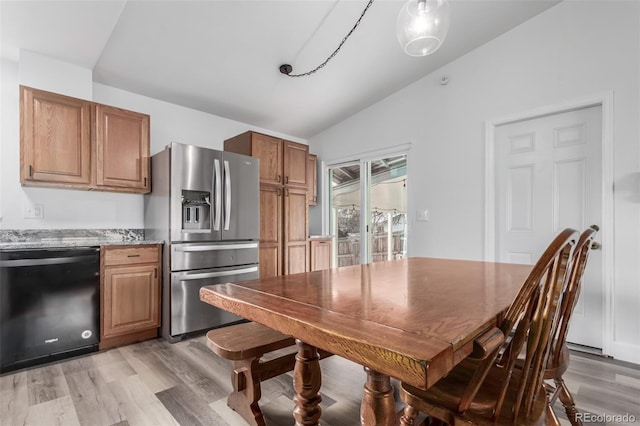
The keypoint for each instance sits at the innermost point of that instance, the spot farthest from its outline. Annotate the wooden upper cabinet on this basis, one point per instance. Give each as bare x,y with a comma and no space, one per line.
122,149
312,179
74,143
267,148
296,156
55,139
281,162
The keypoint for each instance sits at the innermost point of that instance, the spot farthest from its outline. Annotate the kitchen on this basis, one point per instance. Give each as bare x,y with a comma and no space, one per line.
477,91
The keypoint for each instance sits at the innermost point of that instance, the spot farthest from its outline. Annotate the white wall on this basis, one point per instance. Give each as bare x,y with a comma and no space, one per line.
572,51
75,209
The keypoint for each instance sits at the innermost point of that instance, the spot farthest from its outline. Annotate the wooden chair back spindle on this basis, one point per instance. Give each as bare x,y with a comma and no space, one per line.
530,319
558,361
572,292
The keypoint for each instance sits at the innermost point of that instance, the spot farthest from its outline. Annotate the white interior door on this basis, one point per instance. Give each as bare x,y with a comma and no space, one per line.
549,177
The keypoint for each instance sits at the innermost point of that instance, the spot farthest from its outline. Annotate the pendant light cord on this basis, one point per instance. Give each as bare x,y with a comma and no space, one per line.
286,69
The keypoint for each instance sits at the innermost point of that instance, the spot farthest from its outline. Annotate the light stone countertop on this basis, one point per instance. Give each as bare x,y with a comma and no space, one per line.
69,238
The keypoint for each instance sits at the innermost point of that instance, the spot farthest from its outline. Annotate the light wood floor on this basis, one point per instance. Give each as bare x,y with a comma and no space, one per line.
157,383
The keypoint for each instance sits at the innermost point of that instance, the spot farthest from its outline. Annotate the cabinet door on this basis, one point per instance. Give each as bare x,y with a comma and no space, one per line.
312,178
296,156
122,149
296,230
269,150
320,255
55,139
270,260
270,231
131,295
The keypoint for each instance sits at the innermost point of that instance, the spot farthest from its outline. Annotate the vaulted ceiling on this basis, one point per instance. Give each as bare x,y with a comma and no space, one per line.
222,57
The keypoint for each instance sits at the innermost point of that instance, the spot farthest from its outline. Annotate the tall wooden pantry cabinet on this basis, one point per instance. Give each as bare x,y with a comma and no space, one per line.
284,212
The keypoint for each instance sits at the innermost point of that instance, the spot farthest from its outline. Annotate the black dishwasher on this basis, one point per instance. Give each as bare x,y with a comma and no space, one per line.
49,305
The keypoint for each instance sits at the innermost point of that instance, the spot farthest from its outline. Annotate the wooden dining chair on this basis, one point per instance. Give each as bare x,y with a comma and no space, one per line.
490,389
559,357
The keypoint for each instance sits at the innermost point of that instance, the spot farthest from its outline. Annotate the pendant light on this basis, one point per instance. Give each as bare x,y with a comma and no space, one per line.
422,26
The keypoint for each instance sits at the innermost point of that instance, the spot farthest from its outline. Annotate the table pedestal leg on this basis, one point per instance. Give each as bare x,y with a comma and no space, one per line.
306,382
378,405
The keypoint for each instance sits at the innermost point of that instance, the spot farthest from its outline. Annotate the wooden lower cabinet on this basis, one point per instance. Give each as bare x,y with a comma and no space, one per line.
130,280
319,254
283,230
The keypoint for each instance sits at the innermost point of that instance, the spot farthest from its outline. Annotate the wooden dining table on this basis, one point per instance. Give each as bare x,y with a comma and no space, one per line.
412,319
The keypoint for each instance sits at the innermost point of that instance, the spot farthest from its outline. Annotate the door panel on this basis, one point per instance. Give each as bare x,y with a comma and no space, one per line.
270,214
270,260
212,255
130,296
549,177
296,230
295,164
380,215
188,312
122,148
240,219
55,138
297,258
344,199
269,150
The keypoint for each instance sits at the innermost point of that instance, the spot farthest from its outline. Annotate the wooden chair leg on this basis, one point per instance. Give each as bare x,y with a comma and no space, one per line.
567,402
244,399
409,416
551,418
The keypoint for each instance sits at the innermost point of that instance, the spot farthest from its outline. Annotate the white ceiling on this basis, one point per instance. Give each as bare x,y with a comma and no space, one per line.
222,57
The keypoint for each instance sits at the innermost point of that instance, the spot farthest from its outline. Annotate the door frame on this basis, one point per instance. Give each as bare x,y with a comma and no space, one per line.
396,150
606,233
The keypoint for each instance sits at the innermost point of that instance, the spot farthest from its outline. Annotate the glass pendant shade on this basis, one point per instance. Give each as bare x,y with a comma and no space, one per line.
422,26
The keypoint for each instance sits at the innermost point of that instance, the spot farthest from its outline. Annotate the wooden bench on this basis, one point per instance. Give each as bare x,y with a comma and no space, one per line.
245,344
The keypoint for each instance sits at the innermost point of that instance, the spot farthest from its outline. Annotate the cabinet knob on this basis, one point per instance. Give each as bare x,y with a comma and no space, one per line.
286,179
279,178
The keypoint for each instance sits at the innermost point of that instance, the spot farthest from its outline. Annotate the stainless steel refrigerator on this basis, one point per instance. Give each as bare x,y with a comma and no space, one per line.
204,204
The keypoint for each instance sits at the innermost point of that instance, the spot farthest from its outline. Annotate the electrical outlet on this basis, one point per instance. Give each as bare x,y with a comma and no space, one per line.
34,211
422,215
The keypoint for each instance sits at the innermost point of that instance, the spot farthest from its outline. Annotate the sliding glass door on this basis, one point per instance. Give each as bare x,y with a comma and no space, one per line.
368,210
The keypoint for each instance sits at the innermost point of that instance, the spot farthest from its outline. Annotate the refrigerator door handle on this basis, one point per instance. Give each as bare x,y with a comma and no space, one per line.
215,247
227,196
203,275
218,189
